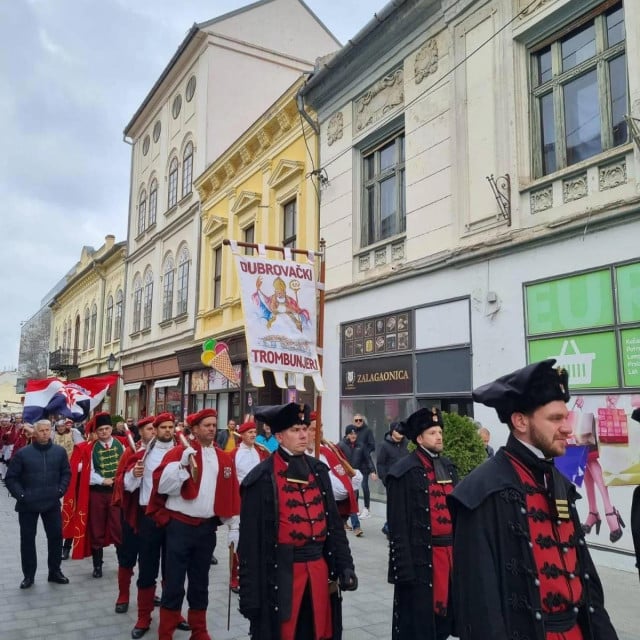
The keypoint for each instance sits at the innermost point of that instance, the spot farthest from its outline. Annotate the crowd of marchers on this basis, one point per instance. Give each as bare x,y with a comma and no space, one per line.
499,554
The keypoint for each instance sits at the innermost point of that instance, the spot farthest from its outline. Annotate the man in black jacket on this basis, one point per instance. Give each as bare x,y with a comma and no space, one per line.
420,541
366,439
391,449
520,562
37,478
294,555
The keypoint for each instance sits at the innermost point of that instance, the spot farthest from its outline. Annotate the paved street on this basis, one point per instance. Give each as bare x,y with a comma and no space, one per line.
84,608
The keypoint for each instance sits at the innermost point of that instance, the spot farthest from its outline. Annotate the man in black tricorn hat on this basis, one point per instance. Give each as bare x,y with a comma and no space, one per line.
420,542
521,566
294,554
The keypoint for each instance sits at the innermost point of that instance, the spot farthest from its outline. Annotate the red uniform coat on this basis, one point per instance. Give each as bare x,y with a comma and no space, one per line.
128,501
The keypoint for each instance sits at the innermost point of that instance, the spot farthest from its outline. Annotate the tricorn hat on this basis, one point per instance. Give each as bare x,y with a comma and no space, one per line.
420,420
282,416
524,390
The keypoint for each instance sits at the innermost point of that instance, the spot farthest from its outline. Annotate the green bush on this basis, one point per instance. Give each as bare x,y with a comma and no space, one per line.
462,443
116,419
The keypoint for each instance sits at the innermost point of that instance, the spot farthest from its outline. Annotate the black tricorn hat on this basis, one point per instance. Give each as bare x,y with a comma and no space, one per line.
282,416
524,390
420,420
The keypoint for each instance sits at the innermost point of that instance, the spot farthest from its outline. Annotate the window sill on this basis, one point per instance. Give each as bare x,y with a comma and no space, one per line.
134,335
140,236
171,210
185,198
381,243
151,228
600,158
146,332
165,323
181,318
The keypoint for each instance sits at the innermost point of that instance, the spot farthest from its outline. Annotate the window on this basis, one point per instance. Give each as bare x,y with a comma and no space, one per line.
137,303
183,281
64,335
250,237
117,324
108,325
153,202
145,145
290,211
191,89
187,169
173,183
57,340
176,106
217,276
142,212
579,80
147,300
87,323
383,204
94,324
167,289
157,128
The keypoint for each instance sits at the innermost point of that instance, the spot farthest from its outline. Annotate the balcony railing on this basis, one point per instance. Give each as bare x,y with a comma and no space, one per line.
62,360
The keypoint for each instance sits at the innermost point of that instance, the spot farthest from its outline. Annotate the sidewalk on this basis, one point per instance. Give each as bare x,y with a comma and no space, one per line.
84,608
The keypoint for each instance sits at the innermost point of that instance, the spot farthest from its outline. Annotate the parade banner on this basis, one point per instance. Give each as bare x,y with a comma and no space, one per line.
279,305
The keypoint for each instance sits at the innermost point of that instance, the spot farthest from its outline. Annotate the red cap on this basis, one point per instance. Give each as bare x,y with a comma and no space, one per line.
194,418
147,420
163,417
313,416
246,426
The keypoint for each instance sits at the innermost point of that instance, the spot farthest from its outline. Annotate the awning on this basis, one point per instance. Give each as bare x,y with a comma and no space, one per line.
167,382
132,386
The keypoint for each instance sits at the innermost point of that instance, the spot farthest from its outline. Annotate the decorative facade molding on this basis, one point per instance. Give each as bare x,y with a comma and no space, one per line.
245,200
334,128
246,155
426,61
230,170
612,175
531,8
575,188
382,97
364,262
284,120
285,169
541,200
214,224
264,139
397,251
381,256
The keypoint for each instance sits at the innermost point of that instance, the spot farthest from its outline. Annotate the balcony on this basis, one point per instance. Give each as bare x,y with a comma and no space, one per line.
63,361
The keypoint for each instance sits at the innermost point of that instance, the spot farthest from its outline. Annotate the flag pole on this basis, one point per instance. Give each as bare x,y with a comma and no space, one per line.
320,343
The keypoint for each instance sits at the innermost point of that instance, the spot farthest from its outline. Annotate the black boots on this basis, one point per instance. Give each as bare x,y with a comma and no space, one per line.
96,554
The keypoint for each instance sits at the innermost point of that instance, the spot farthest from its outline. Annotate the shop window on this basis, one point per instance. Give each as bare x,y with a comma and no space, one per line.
383,190
579,90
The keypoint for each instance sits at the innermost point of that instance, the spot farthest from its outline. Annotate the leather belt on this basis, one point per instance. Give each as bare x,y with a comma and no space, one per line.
560,621
441,541
307,553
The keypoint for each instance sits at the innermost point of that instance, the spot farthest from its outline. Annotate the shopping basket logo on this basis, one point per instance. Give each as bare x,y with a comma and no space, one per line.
579,365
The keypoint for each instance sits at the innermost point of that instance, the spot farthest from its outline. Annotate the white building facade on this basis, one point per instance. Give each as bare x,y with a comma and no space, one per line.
225,73
438,280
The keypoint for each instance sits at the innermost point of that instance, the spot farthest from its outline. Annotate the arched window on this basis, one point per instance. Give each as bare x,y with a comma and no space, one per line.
183,281
57,340
173,183
147,299
153,201
87,326
187,169
94,324
167,288
137,303
64,336
108,324
117,322
142,212
69,333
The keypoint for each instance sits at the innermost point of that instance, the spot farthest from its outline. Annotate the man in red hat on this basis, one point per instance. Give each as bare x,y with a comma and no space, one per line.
246,456
125,497
194,488
521,567
293,546
96,522
420,533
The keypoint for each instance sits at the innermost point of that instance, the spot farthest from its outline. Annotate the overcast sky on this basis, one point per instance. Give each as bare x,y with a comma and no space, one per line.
72,73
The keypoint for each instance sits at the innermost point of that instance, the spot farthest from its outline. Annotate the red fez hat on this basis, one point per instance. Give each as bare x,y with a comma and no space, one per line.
147,420
313,416
194,418
163,417
246,426
102,419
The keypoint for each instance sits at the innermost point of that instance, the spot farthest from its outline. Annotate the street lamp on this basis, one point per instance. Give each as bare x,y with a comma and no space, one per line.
111,362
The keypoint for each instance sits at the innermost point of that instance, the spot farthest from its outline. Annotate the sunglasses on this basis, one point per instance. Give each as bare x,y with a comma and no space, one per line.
358,420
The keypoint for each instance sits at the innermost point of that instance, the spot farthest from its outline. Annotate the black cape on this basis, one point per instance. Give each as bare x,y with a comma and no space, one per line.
494,588
266,570
410,557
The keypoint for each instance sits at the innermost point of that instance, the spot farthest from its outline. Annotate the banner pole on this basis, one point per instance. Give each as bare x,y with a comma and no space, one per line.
320,344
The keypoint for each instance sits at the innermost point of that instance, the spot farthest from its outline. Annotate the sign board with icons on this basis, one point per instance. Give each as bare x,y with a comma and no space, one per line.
387,334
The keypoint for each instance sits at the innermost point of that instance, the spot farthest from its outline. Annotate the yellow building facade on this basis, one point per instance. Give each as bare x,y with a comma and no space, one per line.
260,190
86,324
